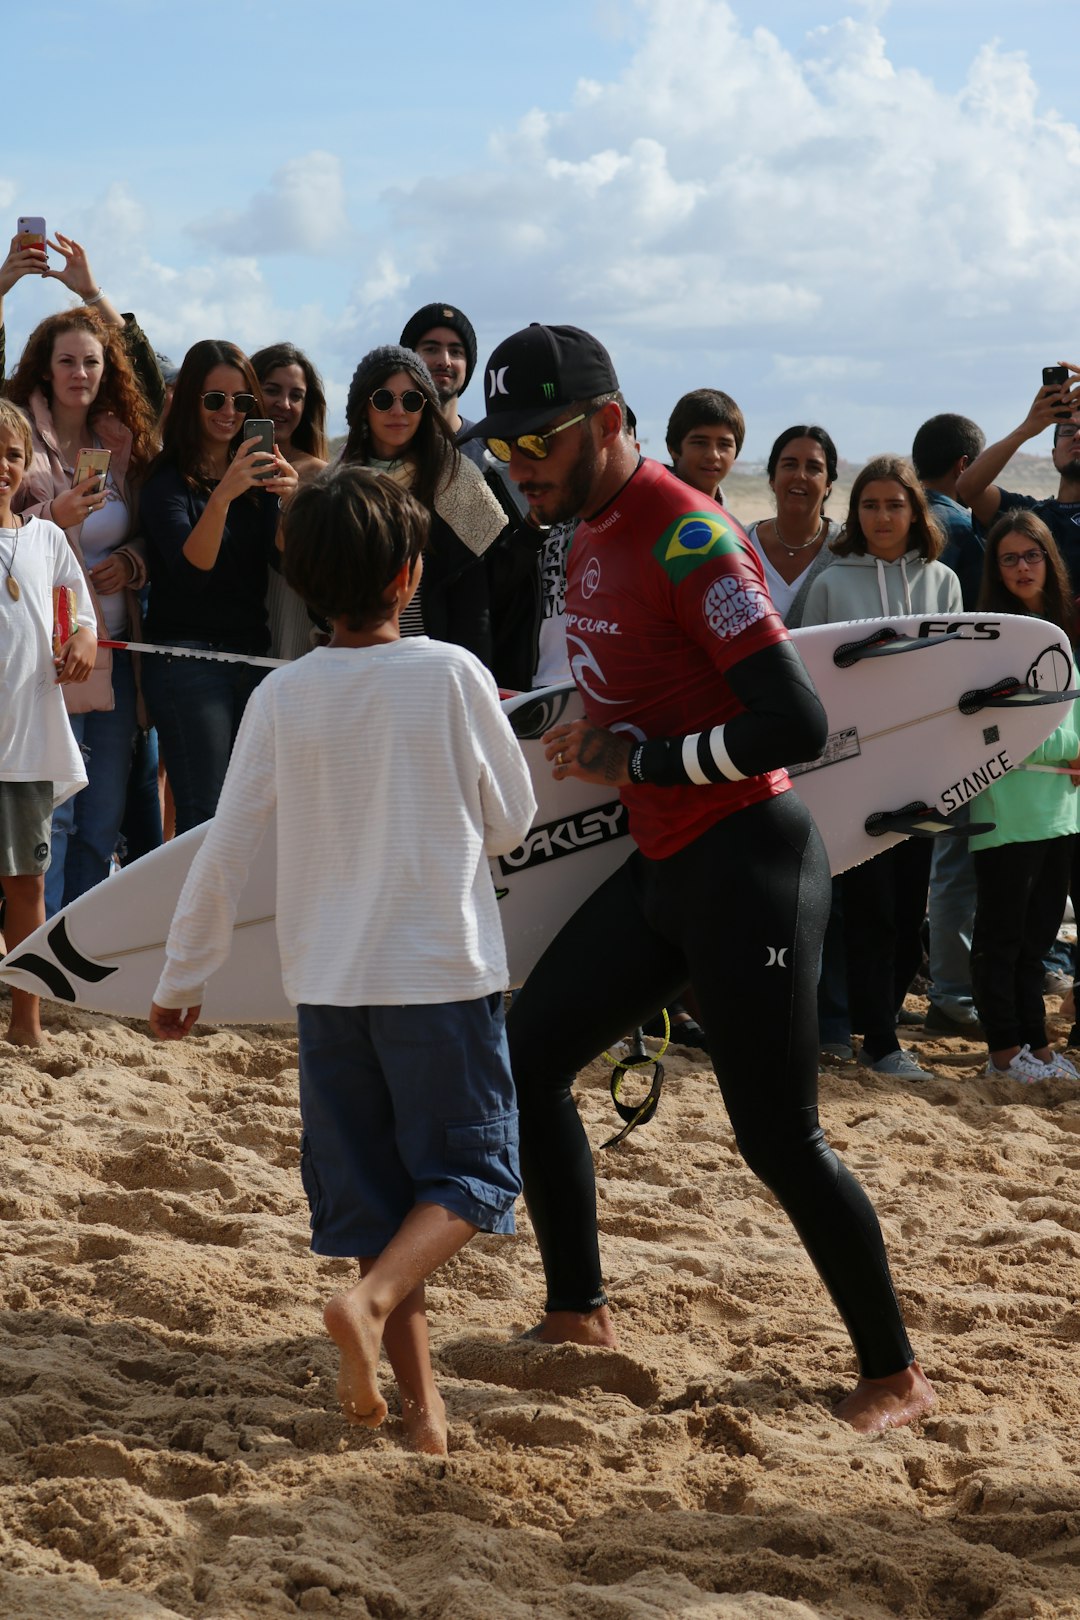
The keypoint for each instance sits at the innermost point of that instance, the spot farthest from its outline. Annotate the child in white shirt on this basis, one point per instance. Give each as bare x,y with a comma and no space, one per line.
40,764
394,775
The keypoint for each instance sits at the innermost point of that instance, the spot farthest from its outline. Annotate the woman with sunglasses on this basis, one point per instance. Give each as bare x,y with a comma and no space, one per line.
210,511
397,427
1023,866
295,402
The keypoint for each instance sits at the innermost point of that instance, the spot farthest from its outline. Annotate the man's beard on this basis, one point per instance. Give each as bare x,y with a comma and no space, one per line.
579,480
1071,470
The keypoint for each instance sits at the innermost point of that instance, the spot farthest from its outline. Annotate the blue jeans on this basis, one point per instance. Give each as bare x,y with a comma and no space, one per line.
86,827
952,914
141,829
196,706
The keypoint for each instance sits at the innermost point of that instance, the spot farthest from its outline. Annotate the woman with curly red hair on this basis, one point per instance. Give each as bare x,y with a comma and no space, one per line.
77,385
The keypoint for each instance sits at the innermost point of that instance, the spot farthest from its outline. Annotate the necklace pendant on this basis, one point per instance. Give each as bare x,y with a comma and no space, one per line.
13,588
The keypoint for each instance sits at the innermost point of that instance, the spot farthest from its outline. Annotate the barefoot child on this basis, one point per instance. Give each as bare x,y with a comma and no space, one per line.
394,775
40,764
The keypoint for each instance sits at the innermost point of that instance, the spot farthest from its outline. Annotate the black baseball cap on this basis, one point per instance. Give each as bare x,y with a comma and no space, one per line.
536,373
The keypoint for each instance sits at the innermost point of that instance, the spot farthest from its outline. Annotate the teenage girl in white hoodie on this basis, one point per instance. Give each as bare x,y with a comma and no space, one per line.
885,565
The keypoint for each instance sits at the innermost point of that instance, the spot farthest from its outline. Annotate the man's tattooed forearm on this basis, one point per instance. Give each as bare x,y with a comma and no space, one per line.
602,751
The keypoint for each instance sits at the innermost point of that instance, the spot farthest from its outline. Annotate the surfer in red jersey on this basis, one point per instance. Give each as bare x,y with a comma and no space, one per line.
695,699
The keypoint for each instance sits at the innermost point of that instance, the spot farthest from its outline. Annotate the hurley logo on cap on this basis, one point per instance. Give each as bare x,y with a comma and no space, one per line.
497,381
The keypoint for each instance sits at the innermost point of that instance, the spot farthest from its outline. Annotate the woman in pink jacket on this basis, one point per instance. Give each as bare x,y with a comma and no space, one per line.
79,389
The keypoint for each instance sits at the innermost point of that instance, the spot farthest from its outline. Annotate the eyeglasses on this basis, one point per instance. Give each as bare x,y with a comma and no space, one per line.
412,400
1011,559
215,399
533,445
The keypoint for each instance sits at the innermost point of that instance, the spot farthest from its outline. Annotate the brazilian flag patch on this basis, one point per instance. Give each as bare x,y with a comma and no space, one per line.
693,538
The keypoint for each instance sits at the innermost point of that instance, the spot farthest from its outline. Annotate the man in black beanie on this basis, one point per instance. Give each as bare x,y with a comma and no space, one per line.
444,339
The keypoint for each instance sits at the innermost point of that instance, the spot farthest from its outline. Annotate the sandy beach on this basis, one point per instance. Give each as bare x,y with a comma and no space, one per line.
171,1443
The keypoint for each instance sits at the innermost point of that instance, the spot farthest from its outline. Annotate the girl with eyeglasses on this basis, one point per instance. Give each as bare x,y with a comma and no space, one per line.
77,384
397,427
210,511
1023,867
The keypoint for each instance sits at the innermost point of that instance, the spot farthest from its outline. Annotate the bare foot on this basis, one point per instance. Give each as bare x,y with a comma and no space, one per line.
575,1327
877,1404
24,1035
425,1425
357,1336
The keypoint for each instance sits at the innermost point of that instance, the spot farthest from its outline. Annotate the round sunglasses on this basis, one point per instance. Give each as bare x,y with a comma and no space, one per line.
533,445
412,400
215,399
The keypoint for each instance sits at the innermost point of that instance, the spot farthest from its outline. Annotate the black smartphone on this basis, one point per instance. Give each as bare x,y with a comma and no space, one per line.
257,428
1055,376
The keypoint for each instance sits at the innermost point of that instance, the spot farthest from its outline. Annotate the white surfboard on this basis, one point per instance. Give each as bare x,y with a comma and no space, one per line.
897,737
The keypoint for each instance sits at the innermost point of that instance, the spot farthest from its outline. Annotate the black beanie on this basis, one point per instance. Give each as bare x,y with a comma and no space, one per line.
443,315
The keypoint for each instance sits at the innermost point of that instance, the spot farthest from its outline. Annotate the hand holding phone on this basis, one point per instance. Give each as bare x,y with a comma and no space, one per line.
30,233
92,463
263,431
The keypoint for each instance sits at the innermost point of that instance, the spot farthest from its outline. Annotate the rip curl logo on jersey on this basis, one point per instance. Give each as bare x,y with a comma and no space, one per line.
497,381
565,837
731,605
590,580
693,538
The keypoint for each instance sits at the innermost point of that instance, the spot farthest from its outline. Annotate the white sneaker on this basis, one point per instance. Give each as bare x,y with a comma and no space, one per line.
1025,1067
1060,1066
900,1065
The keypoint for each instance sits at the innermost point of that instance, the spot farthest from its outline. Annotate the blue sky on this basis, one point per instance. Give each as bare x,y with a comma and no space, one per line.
857,213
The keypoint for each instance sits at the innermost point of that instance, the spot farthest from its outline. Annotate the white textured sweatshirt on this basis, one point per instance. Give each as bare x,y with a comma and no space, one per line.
394,774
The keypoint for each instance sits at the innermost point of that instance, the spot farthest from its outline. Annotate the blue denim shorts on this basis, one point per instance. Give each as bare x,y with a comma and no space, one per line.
405,1105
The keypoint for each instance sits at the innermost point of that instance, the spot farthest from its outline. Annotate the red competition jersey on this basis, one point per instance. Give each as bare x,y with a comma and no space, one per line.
665,594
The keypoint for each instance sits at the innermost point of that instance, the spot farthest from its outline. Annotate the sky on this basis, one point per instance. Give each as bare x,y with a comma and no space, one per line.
856,213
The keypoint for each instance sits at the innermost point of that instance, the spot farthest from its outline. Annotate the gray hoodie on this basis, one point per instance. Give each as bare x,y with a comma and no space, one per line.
867,588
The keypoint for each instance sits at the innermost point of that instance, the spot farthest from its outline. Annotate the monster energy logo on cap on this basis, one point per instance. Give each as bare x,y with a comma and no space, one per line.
548,390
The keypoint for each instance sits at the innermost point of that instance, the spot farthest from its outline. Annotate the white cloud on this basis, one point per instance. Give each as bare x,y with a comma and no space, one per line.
302,211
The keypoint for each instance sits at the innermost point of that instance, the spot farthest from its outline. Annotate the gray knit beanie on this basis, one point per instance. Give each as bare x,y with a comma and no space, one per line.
373,370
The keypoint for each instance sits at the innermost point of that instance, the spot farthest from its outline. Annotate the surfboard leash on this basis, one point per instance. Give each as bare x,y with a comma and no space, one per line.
635,1114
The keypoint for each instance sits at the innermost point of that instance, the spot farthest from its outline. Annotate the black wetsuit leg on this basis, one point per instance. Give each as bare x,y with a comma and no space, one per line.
740,913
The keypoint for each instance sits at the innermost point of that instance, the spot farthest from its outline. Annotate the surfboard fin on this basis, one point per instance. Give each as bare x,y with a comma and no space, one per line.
918,820
883,643
1010,694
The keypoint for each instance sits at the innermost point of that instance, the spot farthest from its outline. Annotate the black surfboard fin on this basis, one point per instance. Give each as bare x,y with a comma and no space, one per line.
883,643
918,820
1010,693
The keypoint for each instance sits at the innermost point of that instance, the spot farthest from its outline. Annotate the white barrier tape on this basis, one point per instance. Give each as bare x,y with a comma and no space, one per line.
195,652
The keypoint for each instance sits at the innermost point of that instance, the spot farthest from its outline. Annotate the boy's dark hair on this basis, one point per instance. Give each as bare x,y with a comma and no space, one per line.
925,537
941,442
994,594
347,534
805,430
704,407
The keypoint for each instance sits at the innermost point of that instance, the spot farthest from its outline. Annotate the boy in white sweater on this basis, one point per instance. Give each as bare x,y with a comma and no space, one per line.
394,775
40,764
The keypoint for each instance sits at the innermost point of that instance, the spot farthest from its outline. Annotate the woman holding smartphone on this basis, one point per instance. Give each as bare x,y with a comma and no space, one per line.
209,510
77,385
397,427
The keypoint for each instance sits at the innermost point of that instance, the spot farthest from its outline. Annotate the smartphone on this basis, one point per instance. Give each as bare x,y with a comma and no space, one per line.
92,461
30,231
1055,376
256,428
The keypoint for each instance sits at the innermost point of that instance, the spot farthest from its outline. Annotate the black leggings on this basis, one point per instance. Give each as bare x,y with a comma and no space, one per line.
1021,889
739,914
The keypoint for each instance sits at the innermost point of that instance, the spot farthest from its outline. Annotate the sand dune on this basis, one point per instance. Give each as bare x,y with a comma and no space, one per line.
169,1438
